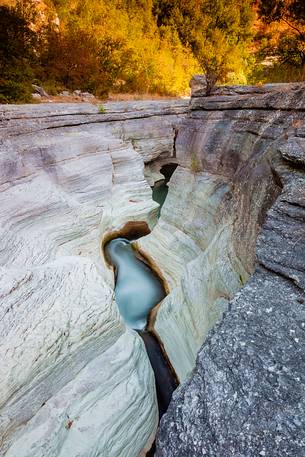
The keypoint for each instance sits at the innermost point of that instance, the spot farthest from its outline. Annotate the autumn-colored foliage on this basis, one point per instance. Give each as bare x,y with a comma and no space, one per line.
143,46
146,46
280,40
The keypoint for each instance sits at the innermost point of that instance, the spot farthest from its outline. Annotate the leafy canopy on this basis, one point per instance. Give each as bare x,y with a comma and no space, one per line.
289,47
17,43
218,32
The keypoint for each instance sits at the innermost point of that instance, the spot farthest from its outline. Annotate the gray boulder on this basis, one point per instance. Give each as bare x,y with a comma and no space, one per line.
40,91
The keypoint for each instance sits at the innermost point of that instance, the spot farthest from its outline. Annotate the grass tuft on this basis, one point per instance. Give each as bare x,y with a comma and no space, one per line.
195,165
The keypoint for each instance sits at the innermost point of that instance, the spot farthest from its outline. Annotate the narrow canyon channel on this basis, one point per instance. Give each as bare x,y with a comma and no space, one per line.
138,290
160,189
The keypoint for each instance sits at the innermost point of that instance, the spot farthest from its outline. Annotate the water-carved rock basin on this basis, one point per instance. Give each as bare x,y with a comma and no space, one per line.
137,289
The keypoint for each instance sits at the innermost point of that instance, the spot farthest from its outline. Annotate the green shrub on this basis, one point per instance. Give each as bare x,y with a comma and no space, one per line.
195,165
51,87
17,43
277,73
101,109
15,91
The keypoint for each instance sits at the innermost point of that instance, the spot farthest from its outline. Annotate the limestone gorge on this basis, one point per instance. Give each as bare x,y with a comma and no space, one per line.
229,247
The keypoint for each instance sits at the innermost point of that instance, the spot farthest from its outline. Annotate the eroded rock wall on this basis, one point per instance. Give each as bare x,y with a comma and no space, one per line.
245,396
73,379
204,242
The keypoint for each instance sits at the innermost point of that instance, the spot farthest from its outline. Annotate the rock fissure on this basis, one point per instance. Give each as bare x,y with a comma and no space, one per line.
253,107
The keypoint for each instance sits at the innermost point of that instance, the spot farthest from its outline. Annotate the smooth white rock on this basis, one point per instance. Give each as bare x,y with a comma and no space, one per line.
194,252
67,176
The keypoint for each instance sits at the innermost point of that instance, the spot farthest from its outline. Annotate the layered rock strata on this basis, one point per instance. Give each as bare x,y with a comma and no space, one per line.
245,396
73,379
204,243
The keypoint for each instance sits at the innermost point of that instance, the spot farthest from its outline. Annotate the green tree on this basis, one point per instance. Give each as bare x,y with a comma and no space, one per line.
224,43
290,46
115,46
218,32
142,46
17,44
292,12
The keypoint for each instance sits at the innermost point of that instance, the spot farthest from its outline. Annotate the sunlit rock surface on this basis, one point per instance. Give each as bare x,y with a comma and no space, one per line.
246,394
73,380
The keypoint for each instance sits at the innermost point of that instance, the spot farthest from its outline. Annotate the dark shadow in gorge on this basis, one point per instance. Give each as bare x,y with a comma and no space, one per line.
165,378
167,170
160,189
166,381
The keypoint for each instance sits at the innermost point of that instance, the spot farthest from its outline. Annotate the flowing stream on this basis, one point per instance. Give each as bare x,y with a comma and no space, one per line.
138,290
159,194
160,189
